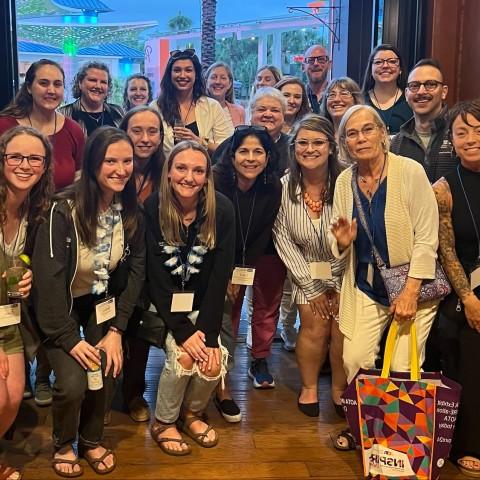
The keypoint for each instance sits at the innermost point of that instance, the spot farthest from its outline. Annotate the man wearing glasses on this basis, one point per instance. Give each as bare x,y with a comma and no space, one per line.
316,65
425,136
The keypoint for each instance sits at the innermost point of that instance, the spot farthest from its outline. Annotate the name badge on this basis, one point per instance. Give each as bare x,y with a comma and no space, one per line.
243,276
9,314
182,302
105,310
475,278
321,270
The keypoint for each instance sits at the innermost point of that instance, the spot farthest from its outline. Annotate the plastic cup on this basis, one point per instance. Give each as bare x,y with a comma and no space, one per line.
14,273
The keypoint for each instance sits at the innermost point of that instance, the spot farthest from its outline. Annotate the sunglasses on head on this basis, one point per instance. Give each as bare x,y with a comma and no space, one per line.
188,53
253,128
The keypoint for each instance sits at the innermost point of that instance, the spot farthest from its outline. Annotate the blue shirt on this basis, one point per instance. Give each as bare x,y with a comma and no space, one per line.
375,216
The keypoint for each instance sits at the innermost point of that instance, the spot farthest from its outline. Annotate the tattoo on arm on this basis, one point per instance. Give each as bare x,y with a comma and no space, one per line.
446,236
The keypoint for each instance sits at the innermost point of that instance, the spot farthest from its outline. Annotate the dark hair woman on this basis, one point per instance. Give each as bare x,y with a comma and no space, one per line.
458,198
384,84
137,91
25,188
92,249
190,239
188,114
247,173
35,105
300,235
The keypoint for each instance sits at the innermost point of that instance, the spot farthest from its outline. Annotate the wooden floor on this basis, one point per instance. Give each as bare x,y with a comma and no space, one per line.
274,440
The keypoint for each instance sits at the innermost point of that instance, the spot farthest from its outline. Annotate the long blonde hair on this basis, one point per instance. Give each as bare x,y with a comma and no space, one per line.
170,210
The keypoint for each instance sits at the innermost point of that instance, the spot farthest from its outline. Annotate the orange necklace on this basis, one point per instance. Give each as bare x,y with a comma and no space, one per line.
314,205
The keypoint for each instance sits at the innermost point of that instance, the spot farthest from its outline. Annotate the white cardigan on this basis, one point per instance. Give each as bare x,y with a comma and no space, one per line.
411,224
211,122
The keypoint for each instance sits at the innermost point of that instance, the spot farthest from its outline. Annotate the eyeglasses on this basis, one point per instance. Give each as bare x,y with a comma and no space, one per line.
321,59
315,144
253,128
16,159
344,94
429,85
391,62
367,131
187,53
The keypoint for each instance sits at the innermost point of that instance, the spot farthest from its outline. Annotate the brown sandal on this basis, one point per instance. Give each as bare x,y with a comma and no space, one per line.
72,474
95,462
200,438
156,431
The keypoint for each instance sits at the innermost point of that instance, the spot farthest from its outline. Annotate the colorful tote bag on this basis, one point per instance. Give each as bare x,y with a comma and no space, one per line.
403,422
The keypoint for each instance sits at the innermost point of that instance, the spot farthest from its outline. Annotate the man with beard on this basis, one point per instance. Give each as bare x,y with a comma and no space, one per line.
90,110
425,136
316,65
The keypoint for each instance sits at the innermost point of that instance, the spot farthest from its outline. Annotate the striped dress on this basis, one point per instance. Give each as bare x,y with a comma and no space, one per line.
301,240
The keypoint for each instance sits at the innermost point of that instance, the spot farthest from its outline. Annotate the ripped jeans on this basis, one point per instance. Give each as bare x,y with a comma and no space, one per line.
179,387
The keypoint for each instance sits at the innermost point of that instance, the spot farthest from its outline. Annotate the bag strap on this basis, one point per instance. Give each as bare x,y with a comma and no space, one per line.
390,346
363,220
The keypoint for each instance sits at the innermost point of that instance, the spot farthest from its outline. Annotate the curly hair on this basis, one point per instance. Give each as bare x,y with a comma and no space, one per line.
38,201
82,73
138,76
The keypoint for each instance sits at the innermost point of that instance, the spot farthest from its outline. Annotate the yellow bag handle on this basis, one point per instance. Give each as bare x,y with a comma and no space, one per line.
390,346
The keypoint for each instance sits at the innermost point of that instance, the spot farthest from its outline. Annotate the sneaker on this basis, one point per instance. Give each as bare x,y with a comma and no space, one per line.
43,394
260,375
229,409
289,338
139,410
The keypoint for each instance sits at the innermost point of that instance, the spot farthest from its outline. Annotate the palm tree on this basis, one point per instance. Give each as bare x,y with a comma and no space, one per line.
179,23
209,12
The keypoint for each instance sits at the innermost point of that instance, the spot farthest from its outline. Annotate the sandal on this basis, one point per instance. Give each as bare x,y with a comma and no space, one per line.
469,471
156,431
200,438
72,474
95,462
344,441
6,473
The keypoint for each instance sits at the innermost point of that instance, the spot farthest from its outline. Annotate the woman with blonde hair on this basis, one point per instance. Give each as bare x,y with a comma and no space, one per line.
190,250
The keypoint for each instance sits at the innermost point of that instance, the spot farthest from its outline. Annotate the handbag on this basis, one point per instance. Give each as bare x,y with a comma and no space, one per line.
147,326
395,278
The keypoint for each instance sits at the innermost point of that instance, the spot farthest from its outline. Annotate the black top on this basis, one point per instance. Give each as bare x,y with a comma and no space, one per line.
395,116
209,282
193,127
267,203
466,243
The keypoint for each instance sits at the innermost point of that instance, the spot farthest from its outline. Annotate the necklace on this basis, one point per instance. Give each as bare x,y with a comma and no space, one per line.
188,112
54,123
94,118
370,191
315,206
381,110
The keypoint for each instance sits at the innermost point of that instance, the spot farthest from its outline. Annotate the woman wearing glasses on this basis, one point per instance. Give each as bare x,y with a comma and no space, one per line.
26,185
458,197
35,106
300,235
219,79
340,94
396,204
383,87
246,173
297,102
92,249
187,113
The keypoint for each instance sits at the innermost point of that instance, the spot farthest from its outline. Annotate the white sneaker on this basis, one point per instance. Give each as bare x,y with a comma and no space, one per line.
289,338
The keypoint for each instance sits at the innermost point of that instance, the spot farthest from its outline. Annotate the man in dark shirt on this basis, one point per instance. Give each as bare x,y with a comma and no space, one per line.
425,136
316,65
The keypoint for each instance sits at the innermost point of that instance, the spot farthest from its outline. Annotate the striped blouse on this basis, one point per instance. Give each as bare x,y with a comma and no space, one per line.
299,240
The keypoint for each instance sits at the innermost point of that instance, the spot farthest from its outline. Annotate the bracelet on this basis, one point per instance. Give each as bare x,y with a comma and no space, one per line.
116,330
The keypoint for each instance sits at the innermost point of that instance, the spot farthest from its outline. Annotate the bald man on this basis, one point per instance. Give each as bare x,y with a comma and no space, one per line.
316,65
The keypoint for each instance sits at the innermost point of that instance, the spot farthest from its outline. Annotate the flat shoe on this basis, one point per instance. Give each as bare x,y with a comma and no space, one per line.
58,461
95,462
156,431
338,409
309,409
469,472
200,438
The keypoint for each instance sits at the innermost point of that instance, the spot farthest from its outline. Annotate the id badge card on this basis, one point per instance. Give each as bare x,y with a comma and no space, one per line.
105,309
321,270
243,276
182,302
9,314
475,278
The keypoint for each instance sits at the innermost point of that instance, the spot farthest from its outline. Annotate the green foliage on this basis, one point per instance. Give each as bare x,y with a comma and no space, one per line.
179,23
116,93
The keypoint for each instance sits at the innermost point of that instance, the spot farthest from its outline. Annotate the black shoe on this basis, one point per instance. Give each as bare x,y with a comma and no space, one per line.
338,409
309,409
229,409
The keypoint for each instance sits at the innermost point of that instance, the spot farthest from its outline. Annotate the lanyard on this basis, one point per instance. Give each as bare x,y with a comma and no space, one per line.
107,263
244,237
318,232
470,210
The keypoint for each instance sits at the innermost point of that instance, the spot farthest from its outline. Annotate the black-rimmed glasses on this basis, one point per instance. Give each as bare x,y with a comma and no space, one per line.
187,53
322,59
429,85
16,159
391,62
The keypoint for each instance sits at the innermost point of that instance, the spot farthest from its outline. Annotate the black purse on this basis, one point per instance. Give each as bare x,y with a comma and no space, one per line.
147,326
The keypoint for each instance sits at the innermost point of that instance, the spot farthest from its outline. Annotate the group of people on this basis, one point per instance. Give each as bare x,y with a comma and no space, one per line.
187,205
